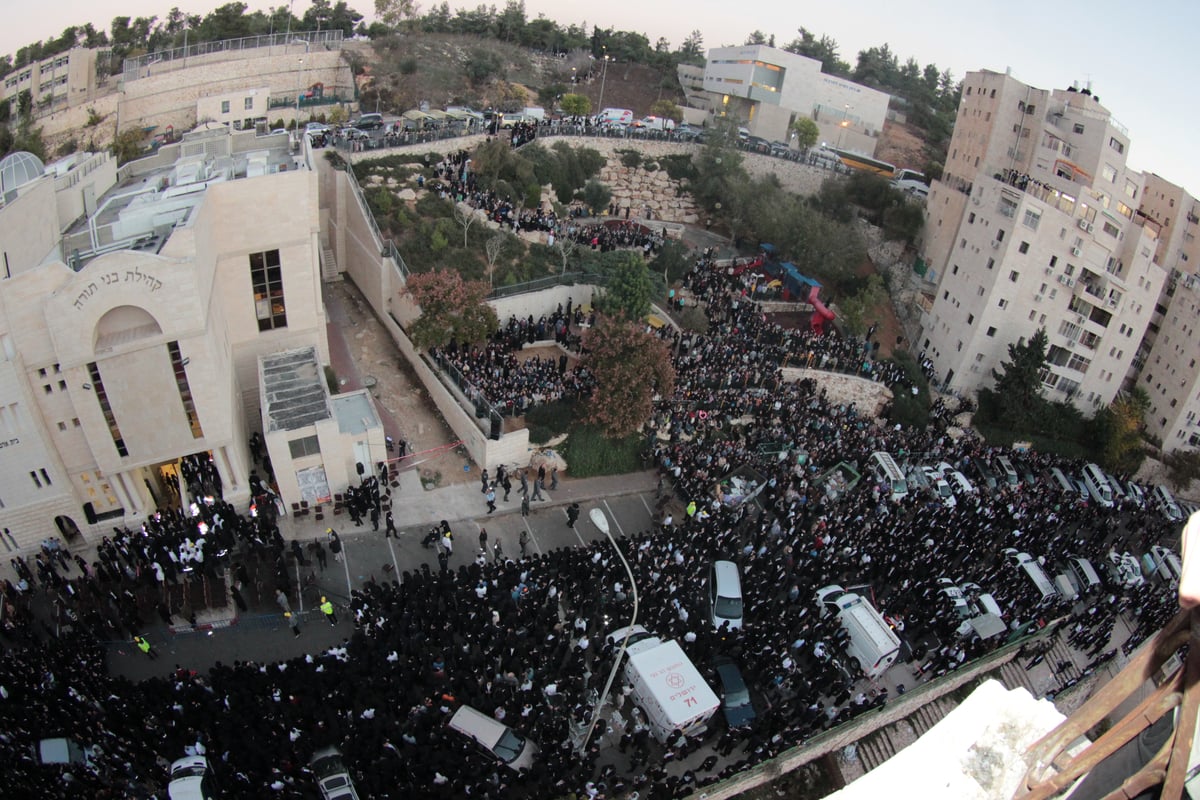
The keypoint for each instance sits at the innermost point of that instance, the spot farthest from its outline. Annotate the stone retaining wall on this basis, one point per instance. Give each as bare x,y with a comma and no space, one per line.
870,397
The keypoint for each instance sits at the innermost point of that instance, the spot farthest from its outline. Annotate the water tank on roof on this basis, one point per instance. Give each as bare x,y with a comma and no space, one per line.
18,169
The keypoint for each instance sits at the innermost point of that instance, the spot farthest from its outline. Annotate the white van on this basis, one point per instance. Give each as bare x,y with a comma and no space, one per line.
1097,485
615,116
1033,570
873,645
333,779
725,595
1084,577
494,738
1166,503
653,123
1007,471
887,471
1162,564
1059,479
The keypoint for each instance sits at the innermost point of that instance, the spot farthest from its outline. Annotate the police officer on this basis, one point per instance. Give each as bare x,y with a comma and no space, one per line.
327,610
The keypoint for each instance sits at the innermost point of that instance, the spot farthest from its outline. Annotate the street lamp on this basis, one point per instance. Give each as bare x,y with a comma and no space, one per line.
299,76
601,523
845,123
603,78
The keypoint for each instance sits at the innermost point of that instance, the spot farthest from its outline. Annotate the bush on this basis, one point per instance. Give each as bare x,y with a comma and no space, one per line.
549,420
589,453
650,166
679,167
630,158
907,408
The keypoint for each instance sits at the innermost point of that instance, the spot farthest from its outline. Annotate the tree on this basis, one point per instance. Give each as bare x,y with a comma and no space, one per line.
692,49
1118,431
596,195
824,50
861,306
24,103
807,132
1018,388
395,13
630,367
465,216
1183,467
493,248
451,309
564,247
629,288
667,110
576,105
127,145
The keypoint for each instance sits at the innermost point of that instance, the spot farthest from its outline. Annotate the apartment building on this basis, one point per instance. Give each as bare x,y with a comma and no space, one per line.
767,89
1033,225
140,309
1171,374
62,80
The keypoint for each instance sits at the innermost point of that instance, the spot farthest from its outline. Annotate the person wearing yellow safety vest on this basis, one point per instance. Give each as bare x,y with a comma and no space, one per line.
145,647
327,610
691,509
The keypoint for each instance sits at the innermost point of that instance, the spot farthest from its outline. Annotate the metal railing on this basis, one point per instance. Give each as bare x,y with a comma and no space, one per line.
387,248
538,284
472,394
175,57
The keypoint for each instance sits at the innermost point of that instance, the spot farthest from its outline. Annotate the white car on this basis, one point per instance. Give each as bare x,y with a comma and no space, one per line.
316,127
1125,570
978,610
956,479
939,487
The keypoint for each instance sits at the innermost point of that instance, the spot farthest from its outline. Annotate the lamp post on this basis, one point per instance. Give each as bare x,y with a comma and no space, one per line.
603,78
845,123
299,75
601,522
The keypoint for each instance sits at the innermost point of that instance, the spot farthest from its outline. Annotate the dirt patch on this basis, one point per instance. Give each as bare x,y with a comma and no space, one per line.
901,145
405,406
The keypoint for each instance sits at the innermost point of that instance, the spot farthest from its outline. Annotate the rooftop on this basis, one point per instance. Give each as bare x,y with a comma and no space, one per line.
355,413
158,193
294,391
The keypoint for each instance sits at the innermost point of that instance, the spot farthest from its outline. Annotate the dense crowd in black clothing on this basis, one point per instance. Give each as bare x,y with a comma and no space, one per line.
492,375
523,637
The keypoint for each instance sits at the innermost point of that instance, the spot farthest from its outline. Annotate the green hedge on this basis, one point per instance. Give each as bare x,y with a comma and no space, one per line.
589,453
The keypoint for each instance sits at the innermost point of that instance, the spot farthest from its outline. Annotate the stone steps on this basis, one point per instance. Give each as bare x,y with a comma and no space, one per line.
1014,676
329,268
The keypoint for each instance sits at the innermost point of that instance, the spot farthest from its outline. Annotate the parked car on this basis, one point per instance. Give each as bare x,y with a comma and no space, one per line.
333,779
369,122
939,487
1124,570
190,779
724,595
779,148
758,144
736,703
985,476
1028,475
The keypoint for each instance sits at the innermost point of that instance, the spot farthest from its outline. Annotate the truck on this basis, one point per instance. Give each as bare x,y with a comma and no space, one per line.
666,685
872,645
615,116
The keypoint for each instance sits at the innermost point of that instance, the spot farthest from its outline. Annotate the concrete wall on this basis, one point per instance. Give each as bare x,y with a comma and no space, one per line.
543,302
171,97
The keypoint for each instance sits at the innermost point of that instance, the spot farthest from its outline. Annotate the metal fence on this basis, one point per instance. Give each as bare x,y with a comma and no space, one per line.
176,57
538,284
484,408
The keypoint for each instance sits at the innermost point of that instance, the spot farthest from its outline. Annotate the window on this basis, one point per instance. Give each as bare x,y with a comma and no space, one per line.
991,263
1024,248
248,104
62,426
185,390
1109,173
971,218
308,446
1116,144
114,430
1003,303
1032,219
1014,276
45,476
1078,127
224,106
970,319
1007,207
36,482
991,331
1111,230
266,275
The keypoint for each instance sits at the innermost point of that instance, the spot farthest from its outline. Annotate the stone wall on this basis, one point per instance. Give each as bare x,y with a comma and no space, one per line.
648,194
869,396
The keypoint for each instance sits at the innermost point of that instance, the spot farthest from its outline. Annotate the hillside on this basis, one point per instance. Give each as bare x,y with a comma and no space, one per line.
902,145
444,69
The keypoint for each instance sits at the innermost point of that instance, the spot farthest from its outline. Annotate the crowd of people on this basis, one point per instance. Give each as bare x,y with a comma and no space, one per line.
493,376
522,637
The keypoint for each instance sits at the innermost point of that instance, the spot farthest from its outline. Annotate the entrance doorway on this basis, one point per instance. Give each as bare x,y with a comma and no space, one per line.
67,527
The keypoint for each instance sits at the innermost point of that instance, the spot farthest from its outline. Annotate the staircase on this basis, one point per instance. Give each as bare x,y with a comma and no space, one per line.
329,268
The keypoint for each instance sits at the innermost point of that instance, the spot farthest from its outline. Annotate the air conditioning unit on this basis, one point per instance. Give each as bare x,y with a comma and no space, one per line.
1049,270
1083,223
1069,281
1075,251
1063,279
995,244
1112,302
1080,319
1089,227
1037,298
976,201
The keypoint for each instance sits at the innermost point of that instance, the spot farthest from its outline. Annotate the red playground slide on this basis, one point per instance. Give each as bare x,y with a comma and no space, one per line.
821,314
